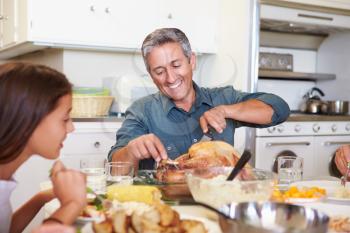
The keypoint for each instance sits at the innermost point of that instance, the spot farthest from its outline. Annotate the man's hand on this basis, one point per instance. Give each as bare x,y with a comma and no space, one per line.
215,118
147,146
342,157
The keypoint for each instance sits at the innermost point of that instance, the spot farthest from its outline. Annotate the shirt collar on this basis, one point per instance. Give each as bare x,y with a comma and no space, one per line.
201,98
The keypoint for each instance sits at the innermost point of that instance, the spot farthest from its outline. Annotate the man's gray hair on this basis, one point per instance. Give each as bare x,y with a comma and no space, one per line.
162,36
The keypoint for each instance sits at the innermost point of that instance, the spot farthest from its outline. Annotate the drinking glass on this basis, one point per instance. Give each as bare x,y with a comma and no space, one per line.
290,169
94,168
119,173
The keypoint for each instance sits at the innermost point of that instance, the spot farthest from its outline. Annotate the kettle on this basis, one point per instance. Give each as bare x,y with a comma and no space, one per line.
312,102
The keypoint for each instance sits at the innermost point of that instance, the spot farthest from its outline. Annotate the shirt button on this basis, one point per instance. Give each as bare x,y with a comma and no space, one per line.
168,148
195,140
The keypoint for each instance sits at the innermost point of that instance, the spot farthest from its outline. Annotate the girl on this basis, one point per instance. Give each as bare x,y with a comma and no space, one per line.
35,102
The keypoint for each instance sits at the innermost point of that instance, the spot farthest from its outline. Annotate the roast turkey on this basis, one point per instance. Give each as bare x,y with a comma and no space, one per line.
200,155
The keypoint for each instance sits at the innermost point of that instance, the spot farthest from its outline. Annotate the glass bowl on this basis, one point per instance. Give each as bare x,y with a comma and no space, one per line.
209,185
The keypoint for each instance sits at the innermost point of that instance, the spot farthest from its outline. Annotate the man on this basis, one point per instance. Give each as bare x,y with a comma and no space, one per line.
164,125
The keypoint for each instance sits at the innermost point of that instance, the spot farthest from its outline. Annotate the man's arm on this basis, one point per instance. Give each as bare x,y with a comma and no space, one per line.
250,109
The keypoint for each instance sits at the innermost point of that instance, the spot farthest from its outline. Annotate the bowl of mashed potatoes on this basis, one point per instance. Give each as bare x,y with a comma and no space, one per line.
209,185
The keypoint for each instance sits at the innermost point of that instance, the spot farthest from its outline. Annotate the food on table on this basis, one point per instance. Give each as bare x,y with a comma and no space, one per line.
339,224
301,192
342,192
209,185
138,193
140,217
92,211
200,155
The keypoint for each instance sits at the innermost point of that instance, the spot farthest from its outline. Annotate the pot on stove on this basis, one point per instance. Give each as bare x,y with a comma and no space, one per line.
338,107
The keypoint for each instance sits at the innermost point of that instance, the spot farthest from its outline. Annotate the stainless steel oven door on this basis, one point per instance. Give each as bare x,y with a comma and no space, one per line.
267,149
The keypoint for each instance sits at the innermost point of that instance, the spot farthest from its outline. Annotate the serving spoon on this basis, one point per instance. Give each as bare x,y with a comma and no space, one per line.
243,160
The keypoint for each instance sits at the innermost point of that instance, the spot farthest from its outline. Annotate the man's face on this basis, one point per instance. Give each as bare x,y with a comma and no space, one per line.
172,71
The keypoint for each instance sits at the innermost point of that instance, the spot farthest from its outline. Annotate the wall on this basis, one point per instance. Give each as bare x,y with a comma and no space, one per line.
334,57
291,91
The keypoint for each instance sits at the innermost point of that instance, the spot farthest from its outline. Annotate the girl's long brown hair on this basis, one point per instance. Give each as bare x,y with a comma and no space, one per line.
28,93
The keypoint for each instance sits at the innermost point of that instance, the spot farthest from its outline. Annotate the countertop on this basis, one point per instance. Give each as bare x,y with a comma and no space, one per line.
317,117
292,117
98,119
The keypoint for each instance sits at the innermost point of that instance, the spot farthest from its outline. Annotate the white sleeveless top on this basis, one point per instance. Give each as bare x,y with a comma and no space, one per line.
6,188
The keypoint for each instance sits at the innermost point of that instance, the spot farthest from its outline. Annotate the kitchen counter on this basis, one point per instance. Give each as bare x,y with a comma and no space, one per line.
292,117
317,117
98,119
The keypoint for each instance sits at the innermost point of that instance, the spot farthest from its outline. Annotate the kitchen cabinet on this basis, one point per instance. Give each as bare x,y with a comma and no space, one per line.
8,23
198,25
88,140
337,6
111,25
97,23
269,12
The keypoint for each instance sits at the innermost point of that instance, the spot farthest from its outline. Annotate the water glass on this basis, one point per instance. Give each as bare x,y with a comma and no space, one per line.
94,168
290,169
120,173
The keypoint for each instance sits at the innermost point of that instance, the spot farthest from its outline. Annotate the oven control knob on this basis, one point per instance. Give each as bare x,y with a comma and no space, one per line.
297,128
316,128
271,129
347,127
280,128
334,128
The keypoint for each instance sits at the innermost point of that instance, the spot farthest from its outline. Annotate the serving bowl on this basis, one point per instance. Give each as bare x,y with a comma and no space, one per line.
271,217
170,191
209,185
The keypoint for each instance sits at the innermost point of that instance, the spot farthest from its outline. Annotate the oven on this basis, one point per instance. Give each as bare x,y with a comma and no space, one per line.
314,141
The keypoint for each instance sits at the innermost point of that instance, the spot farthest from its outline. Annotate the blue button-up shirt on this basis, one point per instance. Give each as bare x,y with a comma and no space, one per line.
178,129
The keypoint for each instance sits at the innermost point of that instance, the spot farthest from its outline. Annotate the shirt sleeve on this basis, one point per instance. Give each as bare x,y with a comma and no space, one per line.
133,126
279,106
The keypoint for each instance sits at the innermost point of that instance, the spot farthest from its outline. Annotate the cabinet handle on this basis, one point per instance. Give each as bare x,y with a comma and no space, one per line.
270,144
3,17
170,16
92,8
335,143
108,10
315,17
97,144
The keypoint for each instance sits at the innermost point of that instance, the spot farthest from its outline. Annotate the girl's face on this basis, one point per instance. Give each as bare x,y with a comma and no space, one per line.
47,139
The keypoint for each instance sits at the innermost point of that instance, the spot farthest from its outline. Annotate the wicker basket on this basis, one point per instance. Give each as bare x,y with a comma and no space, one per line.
91,106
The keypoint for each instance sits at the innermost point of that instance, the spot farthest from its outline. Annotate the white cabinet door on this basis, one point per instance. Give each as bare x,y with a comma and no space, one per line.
129,22
64,21
88,143
198,23
8,22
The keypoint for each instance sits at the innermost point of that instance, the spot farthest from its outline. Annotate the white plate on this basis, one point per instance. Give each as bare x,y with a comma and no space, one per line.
85,220
329,186
304,200
210,225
